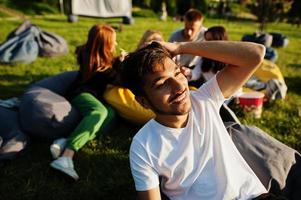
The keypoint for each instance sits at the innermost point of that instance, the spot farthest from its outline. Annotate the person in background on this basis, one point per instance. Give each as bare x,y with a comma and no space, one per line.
95,59
193,31
270,81
208,67
149,36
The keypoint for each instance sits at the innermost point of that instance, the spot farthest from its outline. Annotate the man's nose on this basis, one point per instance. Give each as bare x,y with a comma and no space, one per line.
189,32
177,85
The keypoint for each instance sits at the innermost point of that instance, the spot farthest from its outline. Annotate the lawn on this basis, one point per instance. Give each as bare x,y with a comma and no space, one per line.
103,163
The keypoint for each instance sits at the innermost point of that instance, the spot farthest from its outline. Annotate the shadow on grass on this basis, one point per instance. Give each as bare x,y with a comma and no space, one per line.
297,66
232,18
11,91
54,20
293,84
102,165
19,84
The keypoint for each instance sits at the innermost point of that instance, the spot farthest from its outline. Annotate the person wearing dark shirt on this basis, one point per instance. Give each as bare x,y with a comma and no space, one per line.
95,59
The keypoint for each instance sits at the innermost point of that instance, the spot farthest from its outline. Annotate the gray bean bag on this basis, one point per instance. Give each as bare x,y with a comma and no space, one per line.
276,165
44,112
13,140
58,83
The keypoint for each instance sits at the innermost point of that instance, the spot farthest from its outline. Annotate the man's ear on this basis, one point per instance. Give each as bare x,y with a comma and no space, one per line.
143,101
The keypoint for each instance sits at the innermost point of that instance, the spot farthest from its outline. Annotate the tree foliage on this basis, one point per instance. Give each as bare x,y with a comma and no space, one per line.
269,10
34,6
173,6
294,13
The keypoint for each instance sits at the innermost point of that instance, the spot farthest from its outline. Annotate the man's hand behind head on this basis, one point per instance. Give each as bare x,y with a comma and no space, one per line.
173,48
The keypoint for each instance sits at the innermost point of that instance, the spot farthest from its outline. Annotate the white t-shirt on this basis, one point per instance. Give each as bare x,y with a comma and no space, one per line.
199,161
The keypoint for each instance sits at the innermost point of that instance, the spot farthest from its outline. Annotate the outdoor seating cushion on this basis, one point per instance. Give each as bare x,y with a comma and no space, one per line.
13,139
58,83
9,121
267,71
123,100
44,112
275,164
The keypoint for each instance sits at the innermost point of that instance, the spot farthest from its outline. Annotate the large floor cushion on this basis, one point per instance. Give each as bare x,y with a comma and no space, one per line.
272,161
267,71
44,112
58,83
13,140
9,121
270,74
46,115
123,100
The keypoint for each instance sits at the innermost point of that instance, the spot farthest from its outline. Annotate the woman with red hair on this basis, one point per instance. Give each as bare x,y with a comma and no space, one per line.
95,58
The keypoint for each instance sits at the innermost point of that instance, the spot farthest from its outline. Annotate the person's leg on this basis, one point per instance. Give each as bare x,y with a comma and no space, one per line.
94,114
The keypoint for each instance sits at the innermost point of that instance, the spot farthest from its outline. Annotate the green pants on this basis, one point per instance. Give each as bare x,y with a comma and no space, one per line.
95,117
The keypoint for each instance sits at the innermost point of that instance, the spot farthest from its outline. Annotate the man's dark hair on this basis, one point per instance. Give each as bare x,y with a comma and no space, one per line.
193,15
139,63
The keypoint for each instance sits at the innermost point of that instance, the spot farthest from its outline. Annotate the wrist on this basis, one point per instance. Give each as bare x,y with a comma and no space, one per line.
180,48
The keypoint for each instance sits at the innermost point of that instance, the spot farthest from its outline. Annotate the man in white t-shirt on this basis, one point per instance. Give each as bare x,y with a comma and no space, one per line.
186,147
193,31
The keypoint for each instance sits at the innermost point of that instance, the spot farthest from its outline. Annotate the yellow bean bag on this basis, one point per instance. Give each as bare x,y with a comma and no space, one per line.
123,100
267,71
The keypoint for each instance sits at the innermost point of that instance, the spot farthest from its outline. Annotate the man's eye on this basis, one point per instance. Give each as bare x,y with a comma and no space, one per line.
178,73
159,85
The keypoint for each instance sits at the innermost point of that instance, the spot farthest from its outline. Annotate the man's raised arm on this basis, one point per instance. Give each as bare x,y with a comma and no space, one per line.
243,59
153,194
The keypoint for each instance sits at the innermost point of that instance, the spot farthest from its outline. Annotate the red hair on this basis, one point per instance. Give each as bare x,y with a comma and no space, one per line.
96,54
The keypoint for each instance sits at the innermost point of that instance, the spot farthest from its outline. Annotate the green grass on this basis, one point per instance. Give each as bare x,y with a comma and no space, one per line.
103,164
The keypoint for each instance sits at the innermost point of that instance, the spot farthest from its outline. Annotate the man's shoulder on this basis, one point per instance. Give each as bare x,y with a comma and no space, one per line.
176,35
144,132
199,92
209,94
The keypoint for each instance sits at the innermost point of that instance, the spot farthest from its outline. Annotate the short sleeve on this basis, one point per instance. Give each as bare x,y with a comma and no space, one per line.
212,91
176,36
144,174
172,38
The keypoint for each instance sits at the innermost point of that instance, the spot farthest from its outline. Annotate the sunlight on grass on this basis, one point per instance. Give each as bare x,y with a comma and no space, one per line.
103,163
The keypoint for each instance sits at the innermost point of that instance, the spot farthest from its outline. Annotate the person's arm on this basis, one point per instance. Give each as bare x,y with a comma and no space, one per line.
145,176
153,194
243,59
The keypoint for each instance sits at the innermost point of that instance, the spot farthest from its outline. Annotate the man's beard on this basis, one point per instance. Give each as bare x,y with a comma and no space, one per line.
160,111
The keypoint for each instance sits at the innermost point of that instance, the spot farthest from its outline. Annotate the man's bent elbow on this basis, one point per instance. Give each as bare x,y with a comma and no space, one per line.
259,56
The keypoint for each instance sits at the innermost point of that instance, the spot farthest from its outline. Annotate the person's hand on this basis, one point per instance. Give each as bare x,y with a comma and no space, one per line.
123,54
187,72
173,48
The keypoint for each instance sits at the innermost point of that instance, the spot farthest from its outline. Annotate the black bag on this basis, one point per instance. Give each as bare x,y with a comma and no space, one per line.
279,40
260,38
